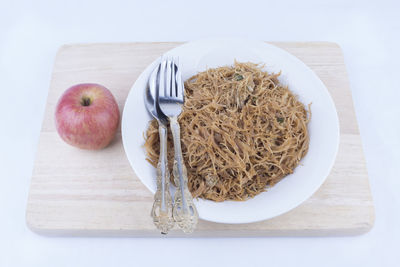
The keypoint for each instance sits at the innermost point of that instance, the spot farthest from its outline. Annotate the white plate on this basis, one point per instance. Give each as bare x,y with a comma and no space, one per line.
323,127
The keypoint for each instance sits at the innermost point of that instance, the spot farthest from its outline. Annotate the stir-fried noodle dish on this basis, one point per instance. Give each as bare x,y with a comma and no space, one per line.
241,131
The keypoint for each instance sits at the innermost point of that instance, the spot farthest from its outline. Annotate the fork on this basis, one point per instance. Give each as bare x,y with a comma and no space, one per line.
170,100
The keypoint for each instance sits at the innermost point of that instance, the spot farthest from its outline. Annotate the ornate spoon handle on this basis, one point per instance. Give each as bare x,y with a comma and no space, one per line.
162,206
184,212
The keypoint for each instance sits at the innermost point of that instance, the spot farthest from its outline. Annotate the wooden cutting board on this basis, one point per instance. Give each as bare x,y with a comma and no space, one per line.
96,193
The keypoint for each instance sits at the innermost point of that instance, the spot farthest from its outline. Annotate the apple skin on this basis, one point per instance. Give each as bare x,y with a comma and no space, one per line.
87,116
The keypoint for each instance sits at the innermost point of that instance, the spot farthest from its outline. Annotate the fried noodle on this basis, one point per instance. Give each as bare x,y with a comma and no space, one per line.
241,132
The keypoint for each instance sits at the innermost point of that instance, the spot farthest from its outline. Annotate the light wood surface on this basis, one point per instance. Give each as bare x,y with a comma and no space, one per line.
96,193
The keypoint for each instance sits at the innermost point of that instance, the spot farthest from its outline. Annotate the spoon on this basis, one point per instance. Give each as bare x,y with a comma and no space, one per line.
162,206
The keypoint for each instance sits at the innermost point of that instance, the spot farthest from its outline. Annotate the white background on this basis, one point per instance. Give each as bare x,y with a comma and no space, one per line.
32,31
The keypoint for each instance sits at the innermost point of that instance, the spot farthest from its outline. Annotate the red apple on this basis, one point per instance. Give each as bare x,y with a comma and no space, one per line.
87,116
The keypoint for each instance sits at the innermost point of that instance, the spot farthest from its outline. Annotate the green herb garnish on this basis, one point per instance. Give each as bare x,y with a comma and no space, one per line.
238,77
280,120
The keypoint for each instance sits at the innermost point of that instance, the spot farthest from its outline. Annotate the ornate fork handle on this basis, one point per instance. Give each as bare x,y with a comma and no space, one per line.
184,211
162,206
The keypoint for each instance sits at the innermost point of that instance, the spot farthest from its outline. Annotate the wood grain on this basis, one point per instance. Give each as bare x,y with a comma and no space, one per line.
78,192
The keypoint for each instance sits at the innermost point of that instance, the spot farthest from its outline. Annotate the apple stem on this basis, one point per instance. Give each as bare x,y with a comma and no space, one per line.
86,101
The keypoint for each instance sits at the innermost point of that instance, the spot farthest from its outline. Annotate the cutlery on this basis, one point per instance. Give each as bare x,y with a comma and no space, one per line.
162,206
170,100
